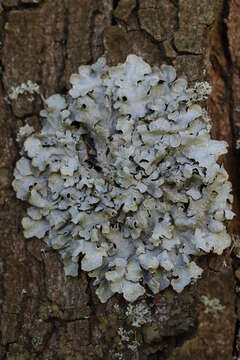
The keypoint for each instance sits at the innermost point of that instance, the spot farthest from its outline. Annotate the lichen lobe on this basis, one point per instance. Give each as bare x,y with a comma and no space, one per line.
124,172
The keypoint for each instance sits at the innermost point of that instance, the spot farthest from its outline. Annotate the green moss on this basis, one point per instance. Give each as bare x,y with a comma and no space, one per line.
22,356
4,177
150,334
50,310
103,323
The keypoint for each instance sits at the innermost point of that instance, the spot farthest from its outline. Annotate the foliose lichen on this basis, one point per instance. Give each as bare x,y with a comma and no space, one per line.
124,176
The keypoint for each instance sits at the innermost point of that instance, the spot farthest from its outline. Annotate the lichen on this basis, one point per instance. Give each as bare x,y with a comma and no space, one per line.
212,305
128,337
238,144
29,87
124,175
236,245
118,356
199,92
139,314
125,334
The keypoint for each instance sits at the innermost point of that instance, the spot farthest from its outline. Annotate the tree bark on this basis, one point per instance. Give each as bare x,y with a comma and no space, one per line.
44,315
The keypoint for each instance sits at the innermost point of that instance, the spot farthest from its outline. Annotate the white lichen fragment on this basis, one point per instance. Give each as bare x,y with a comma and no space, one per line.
139,314
199,92
29,87
128,337
133,346
238,144
124,175
116,307
124,334
212,305
236,245
117,356
24,132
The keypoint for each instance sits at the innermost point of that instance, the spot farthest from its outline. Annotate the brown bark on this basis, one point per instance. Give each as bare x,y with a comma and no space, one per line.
43,315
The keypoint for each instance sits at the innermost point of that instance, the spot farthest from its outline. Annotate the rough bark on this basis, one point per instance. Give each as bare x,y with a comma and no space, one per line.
43,315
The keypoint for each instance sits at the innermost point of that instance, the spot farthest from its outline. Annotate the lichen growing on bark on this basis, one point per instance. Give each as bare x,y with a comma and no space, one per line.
29,87
124,172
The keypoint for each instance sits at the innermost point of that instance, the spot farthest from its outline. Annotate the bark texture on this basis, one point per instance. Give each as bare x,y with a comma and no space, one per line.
43,315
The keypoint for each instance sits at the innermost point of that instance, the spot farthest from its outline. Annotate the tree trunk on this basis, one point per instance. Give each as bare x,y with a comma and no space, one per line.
44,315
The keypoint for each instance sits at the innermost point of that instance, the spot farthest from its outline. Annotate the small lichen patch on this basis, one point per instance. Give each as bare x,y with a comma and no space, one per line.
139,314
24,132
128,337
124,334
199,92
29,87
212,305
124,175
238,144
117,356
236,245
36,341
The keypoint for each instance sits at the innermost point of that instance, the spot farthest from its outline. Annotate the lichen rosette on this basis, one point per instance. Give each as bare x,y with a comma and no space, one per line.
124,176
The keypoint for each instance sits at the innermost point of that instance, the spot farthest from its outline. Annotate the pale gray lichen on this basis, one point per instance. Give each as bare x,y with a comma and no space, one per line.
117,356
24,132
125,334
139,314
236,245
129,337
199,92
29,87
212,305
124,176
237,144
116,307
133,346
